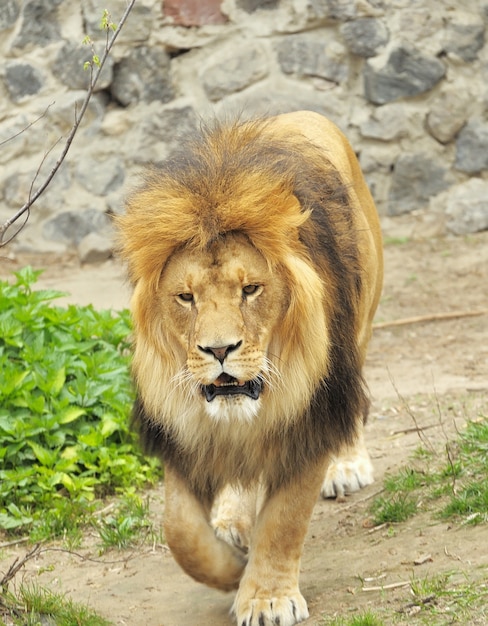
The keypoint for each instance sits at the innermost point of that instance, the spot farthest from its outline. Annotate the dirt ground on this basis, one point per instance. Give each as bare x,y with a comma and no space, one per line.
436,370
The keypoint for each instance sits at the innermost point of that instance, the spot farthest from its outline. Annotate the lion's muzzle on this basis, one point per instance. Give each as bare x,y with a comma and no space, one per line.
226,385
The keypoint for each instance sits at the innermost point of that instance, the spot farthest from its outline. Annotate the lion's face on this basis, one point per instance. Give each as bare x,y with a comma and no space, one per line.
222,307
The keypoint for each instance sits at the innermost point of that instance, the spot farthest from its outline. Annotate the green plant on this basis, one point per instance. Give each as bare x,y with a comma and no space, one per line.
440,600
458,481
65,396
395,508
395,241
34,605
127,524
366,618
468,495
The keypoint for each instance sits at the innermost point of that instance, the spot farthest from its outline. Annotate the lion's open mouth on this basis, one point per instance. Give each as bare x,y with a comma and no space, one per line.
226,385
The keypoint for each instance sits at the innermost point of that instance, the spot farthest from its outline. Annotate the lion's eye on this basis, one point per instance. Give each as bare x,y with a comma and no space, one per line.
250,290
185,297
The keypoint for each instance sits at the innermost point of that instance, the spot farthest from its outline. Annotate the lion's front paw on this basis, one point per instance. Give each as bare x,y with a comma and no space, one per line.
284,610
346,474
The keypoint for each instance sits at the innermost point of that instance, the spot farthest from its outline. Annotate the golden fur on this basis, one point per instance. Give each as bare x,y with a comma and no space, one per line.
255,255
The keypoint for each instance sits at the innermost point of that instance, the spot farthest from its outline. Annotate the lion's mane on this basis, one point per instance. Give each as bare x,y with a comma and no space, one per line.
292,205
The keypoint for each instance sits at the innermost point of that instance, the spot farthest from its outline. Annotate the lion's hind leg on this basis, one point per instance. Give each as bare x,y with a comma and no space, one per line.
348,471
233,516
193,542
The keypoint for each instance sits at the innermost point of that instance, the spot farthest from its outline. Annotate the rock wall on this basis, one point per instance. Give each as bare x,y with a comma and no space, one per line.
407,80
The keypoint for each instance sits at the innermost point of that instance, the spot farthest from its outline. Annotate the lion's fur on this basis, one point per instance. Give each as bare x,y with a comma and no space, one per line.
291,186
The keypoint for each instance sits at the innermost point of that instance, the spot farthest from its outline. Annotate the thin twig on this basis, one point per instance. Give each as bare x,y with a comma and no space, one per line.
414,429
418,429
14,542
376,529
127,558
36,551
19,564
27,127
450,315
389,586
32,198
359,501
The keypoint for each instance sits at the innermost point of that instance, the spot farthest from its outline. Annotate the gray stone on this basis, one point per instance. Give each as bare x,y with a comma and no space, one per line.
232,70
387,123
70,227
143,76
465,39
94,248
67,107
40,25
467,207
472,147
18,186
170,127
416,178
69,68
9,12
332,9
22,80
323,11
249,6
136,30
12,138
100,177
448,113
156,135
405,72
365,36
312,54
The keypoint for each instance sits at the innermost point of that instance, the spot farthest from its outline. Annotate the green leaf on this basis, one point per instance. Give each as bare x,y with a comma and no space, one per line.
57,381
93,439
71,414
12,382
10,522
44,456
110,425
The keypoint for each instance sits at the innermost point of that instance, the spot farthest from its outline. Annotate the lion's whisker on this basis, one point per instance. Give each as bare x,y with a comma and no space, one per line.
183,381
271,375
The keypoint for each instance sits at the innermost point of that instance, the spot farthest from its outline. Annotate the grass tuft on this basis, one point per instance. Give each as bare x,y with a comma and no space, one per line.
457,483
34,605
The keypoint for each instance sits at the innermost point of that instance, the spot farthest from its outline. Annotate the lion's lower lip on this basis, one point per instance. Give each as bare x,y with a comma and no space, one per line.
251,388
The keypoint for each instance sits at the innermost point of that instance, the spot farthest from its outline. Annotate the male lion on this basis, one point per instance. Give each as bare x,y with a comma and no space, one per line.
255,254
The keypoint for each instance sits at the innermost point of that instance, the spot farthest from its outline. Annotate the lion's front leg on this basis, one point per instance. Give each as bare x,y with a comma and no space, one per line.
348,471
192,540
269,593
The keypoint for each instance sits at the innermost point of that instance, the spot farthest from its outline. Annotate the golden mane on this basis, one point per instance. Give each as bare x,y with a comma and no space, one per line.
246,178
215,187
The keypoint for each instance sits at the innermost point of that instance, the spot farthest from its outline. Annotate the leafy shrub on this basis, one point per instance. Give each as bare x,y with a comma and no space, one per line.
65,396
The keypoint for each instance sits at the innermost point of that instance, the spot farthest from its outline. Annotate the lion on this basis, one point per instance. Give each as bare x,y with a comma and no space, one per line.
256,258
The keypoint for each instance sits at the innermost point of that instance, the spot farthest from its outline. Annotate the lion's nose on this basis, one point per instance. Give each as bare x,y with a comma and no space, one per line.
220,352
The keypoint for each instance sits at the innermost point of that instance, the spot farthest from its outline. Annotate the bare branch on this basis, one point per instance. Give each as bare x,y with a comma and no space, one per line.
432,317
28,126
78,118
18,564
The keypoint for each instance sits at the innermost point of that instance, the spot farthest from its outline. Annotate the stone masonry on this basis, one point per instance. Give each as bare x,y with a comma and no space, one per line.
406,80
